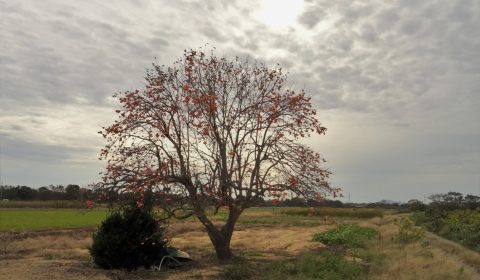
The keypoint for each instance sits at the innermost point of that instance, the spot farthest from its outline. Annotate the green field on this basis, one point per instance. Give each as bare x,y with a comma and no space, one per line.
43,218
37,219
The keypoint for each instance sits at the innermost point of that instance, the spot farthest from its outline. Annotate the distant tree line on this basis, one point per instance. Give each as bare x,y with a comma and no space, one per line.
297,202
58,192
454,200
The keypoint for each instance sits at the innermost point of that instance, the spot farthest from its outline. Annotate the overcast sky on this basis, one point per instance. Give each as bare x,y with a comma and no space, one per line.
397,83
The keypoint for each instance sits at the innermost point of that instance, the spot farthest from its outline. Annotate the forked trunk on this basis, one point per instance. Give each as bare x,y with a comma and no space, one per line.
221,237
222,246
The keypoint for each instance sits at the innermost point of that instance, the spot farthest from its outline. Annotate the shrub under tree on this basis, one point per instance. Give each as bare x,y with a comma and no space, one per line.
128,239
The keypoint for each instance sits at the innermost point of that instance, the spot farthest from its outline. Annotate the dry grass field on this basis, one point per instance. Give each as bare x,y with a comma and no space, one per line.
64,254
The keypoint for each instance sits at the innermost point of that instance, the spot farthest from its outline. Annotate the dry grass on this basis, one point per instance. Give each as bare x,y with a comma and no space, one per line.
420,260
64,254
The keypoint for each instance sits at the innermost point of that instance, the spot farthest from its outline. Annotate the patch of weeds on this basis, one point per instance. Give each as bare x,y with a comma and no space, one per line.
373,262
6,238
350,236
238,269
327,266
407,231
50,256
425,244
367,256
283,269
253,254
426,253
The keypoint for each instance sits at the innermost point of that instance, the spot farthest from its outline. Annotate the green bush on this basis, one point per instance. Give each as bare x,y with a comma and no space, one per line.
463,226
407,231
128,239
350,236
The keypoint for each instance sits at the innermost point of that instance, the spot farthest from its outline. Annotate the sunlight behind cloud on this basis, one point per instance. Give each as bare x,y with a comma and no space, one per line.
280,14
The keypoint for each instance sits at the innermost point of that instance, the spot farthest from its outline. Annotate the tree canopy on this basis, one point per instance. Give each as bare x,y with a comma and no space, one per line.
212,132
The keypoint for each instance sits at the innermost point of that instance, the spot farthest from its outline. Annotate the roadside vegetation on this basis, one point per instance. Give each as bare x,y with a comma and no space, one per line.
452,216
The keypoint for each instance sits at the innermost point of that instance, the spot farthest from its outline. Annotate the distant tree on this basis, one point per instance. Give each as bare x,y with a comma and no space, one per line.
416,205
72,192
213,132
44,193
26,193
455,198
448,201
472,201
294,202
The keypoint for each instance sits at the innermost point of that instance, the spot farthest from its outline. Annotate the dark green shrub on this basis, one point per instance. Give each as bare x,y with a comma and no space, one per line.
350,236
128,239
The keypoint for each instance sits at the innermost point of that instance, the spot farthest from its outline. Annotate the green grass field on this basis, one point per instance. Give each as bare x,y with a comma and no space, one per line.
44,218
37,219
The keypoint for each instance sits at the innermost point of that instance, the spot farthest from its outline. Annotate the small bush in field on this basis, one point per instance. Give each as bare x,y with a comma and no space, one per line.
407,231
128,239
350,236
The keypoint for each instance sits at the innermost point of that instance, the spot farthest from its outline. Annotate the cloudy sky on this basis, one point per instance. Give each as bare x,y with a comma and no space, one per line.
397,83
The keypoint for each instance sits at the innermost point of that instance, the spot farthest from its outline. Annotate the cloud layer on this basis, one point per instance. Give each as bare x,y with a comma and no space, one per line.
396,83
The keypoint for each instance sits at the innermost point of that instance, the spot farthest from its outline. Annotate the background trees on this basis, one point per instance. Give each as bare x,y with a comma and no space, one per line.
214,132
59,192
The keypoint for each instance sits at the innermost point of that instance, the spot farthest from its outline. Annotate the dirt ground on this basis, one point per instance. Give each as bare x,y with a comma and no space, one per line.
64,254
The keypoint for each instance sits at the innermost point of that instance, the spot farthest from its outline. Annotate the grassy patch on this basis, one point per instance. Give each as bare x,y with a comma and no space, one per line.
27,219
327,266
351,236
335,212
238,269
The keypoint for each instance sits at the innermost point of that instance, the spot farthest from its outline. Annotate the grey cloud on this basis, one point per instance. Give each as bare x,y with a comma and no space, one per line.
311,15
402,64
14,148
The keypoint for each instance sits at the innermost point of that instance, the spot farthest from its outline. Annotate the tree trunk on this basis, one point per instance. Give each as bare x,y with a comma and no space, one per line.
221,237
222,246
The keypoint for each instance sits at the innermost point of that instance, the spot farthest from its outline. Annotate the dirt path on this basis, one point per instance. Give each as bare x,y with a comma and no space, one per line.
468,257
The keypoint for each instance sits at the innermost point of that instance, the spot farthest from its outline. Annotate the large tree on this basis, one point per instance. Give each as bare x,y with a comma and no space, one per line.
211,133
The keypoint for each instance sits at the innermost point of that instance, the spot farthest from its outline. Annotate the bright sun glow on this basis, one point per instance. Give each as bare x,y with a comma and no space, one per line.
279,14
